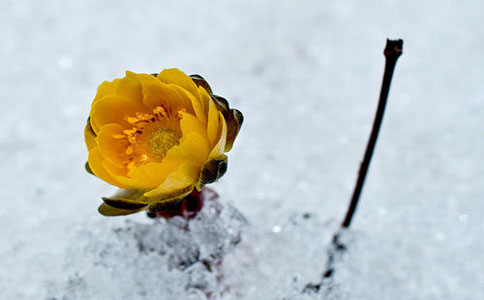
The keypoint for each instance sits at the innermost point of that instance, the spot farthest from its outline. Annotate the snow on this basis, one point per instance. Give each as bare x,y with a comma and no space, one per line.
165,260
306,75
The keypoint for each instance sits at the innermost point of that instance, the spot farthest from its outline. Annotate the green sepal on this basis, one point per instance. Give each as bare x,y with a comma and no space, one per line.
212,170
129,196
88,168
124,202
88,132
234,122
109,211
160,206
89,127
233,118
222,105
200,81
167,200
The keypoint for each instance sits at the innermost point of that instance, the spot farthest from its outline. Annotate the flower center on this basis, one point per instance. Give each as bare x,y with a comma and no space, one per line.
160,141
151,136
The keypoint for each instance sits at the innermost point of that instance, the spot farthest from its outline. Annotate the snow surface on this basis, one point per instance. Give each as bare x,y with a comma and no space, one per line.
306,75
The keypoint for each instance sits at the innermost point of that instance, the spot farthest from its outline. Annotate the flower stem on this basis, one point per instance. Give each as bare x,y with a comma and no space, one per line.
392,52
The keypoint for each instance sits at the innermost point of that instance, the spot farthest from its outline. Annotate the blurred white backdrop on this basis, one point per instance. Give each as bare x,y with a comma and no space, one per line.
306,75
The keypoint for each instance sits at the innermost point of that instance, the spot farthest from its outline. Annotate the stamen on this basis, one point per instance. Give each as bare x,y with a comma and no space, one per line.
132,120
179,115
132,139
129,131
161,111
151,137
144,117
129,150
131,165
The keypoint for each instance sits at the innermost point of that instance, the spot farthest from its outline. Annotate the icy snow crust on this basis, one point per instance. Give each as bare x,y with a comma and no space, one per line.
306,74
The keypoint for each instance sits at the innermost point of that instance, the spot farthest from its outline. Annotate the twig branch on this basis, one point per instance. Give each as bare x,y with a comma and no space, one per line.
392,52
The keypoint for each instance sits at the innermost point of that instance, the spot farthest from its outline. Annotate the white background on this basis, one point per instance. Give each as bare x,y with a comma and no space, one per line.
306,75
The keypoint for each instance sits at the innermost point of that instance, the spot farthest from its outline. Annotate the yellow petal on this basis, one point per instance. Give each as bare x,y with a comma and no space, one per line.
195,102
140,179
181,181
149,175
107,88
112,110
194,145
89,136
157,93
111,147
179,78
96,160
190,123
213,122
116,170
222,139
130,88
193,148
204,98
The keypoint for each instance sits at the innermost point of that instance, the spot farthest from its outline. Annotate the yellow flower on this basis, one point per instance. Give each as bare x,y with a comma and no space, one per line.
157,137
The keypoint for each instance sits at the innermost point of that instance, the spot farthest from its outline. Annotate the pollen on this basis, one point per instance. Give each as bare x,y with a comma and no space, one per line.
160,110
161,141
132,120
